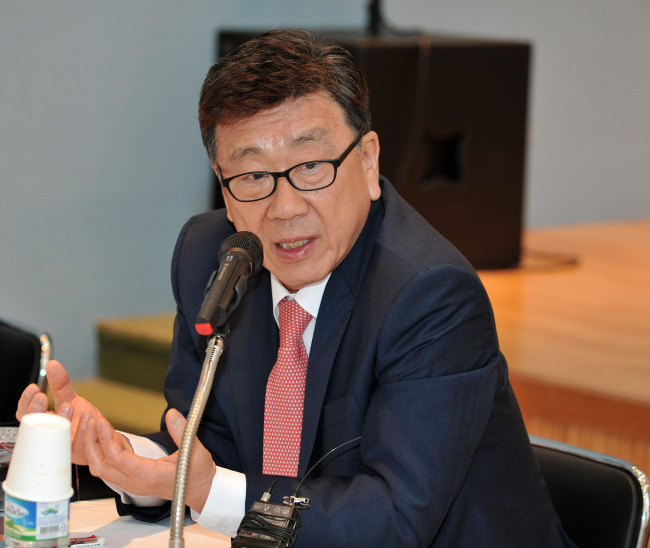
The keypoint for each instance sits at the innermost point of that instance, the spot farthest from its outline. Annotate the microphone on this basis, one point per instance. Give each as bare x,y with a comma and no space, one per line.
240,257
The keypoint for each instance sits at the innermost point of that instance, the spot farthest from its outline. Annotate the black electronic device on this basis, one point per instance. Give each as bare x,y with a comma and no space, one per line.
272,525
268,524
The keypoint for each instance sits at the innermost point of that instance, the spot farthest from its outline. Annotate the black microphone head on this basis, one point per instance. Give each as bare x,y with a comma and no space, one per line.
247,242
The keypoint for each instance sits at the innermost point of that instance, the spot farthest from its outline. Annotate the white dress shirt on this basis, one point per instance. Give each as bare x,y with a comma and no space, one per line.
225,505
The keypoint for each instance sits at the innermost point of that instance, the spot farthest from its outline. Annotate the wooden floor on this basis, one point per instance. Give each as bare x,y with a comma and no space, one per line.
574,324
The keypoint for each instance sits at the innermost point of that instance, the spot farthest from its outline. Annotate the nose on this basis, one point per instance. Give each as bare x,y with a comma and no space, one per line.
286,202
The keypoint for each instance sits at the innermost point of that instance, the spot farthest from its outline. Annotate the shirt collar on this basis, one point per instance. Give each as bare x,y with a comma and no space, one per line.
309,297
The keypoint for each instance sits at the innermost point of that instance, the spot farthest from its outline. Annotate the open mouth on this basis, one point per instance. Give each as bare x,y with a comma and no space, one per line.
292,245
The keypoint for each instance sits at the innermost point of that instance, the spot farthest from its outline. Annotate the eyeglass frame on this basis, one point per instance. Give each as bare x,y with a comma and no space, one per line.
336,163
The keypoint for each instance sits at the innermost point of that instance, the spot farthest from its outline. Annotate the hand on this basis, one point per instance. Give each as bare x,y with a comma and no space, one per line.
111,461
67,404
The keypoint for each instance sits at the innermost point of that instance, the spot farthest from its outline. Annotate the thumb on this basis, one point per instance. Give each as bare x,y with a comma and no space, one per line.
59,383
175,424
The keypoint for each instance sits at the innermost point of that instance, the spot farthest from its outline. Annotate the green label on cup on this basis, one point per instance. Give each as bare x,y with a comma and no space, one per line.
26,520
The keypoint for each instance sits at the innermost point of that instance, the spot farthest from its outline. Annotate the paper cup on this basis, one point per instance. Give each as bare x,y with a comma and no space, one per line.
39,470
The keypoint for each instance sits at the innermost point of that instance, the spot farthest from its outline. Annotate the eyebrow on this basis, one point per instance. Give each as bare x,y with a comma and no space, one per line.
316,134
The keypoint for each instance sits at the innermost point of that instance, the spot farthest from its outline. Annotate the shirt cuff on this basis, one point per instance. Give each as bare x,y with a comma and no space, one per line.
225,506
143,447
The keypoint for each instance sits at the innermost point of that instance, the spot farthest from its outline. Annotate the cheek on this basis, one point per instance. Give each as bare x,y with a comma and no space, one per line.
230,207
238,217
345,221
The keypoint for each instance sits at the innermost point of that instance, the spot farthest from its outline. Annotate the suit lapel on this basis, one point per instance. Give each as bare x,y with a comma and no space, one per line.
332,321
333,318
254,340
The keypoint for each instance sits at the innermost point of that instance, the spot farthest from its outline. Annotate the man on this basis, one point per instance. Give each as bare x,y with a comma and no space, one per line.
401,343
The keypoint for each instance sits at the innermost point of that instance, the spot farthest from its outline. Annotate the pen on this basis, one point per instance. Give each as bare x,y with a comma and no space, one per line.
87,542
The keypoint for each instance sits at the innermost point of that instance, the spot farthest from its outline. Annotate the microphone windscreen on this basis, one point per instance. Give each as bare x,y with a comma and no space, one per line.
249,243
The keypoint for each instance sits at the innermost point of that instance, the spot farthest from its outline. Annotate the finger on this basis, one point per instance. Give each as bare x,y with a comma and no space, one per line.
59,383
82,425
112,445
95,452
109,460
78,449
66,410
126,442
93,449
175,422
32,400
202,467
26,399
107,434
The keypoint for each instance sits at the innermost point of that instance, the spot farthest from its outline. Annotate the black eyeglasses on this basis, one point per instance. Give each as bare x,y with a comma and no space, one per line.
306,176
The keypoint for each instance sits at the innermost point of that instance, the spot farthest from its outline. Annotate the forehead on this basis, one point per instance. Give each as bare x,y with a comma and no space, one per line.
314,118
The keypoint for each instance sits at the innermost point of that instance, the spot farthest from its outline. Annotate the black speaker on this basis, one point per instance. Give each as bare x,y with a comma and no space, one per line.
451,117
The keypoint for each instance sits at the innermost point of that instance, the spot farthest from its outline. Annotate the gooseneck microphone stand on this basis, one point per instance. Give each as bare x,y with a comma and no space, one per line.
216,344
240,257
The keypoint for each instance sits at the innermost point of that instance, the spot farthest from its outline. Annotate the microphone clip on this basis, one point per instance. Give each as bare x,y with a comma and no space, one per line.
298,502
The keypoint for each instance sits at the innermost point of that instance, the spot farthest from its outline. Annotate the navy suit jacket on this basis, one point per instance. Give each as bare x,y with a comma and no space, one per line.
405,355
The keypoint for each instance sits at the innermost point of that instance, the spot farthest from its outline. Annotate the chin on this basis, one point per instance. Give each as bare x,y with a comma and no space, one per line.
296,284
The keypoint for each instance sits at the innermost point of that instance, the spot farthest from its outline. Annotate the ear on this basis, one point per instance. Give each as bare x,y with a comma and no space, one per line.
224,193
370,159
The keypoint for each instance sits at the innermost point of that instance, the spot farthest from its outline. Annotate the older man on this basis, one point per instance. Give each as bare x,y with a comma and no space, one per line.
396,342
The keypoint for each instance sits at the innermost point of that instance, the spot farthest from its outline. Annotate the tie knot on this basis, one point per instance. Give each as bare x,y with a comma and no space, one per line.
293,322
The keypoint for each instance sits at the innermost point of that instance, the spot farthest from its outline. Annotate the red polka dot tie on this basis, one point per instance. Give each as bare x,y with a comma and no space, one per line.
285,394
